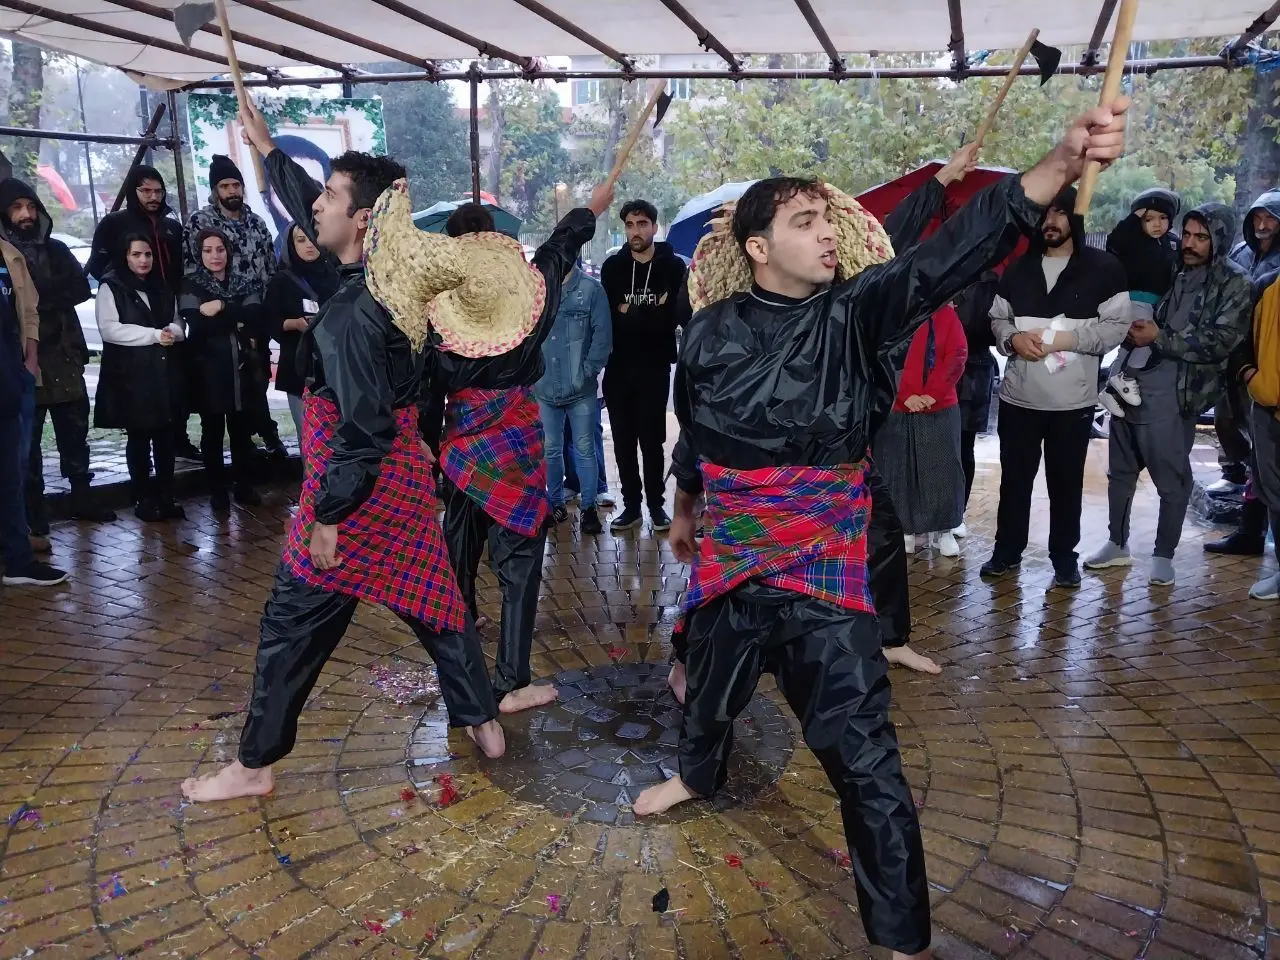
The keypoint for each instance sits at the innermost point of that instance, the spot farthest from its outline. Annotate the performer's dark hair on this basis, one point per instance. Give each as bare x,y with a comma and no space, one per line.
643,207
369,176
753,216
469,218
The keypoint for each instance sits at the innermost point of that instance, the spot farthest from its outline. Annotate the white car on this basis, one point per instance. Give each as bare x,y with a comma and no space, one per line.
86,312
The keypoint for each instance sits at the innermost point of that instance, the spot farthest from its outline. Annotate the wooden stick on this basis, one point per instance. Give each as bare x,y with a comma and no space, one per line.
1110,91
241,94
625,152
1011,76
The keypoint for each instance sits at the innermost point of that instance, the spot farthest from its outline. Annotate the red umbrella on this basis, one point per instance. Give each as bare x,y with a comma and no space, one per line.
57,186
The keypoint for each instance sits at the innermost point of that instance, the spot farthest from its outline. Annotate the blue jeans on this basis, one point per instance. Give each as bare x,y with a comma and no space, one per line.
15,447
583,417
570,466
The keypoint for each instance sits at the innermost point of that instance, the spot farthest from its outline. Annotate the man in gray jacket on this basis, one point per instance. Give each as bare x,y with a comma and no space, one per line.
1059,309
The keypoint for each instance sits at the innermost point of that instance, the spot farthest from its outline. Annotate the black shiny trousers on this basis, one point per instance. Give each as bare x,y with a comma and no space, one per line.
301,627
516,560
831,670
887,566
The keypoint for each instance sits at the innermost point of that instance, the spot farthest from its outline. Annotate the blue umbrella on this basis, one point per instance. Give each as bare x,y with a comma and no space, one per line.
434,218
694,218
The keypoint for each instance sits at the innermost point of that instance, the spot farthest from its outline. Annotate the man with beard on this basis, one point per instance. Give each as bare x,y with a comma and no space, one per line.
147,212
252,265
777,388
1196,326
1060,308
63,353
642,282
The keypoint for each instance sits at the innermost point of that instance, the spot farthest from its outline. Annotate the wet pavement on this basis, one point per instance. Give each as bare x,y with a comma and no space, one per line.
1096,771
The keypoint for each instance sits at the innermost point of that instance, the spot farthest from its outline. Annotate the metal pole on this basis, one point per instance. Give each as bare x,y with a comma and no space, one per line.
152,127
145,111
175,145
88,156
475,134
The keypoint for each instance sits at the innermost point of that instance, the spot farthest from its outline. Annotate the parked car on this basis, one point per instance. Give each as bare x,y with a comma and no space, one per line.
85,312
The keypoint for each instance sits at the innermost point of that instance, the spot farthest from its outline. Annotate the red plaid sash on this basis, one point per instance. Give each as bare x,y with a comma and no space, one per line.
493,451
392,548
795,528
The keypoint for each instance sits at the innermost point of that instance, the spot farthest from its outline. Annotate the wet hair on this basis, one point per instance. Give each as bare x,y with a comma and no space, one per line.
469,218
369,176
642,207
756,209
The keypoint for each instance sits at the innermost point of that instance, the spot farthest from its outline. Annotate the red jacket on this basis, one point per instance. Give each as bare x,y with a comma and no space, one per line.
950,351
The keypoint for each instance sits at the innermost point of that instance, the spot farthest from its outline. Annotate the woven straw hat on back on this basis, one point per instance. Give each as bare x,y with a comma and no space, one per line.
406,268
720,269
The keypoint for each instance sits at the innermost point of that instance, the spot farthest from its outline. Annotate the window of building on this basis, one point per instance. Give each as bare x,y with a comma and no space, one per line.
680,89
586,91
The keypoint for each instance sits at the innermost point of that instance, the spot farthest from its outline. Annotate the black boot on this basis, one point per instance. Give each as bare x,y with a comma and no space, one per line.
37,513
1250,537
82,505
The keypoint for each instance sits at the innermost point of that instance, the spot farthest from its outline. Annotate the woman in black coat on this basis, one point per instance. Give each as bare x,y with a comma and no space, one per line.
225,366
141,387
303,281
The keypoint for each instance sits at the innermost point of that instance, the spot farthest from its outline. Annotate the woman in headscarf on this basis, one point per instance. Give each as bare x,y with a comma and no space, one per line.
303,281
141,387
225,364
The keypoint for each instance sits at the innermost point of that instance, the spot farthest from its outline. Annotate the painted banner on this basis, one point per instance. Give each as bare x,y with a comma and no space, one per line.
310,131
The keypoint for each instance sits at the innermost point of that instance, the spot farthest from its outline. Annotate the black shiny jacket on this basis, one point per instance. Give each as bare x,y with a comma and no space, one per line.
445,373
768,381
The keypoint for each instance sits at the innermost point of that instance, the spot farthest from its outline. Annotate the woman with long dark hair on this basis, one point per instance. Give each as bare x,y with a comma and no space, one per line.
225,365
141,387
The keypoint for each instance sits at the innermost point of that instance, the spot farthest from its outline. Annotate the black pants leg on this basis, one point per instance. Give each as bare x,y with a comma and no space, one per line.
213,427
241,427
33,488
835,678
517,561
1231,424
1066,447
164,452
464,679
137,456
887,566
654,389
1021,438
466,529
624,421
968,438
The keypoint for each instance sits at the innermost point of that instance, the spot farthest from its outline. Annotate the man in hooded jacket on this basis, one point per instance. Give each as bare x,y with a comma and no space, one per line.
63,353
1196,326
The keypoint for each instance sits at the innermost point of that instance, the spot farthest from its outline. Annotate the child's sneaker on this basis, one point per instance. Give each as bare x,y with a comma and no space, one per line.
1111,403
1126,388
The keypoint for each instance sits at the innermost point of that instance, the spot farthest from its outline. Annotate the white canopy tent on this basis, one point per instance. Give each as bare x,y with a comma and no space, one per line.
138,35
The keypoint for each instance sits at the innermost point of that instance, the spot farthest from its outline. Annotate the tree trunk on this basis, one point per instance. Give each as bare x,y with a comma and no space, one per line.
25,96
617,123
493,171
1259,167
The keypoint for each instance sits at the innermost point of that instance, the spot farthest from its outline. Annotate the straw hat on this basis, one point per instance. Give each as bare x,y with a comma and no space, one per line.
406,268
498,304
720,269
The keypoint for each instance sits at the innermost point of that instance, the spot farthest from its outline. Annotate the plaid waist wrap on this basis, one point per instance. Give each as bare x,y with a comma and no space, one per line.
493,451
795,528
392,548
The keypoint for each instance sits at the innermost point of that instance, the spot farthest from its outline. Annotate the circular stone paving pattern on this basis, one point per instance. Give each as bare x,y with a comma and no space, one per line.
613,732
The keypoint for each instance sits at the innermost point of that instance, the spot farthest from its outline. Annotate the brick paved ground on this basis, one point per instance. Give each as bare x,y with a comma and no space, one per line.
1096,771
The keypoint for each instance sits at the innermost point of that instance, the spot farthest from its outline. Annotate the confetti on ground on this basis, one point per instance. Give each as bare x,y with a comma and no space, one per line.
407,795
117,888
661,901
733,860
553,902
283,858
841,858
449,794
617,653
409,683
331,740
382,926
760,884
18,814
223,715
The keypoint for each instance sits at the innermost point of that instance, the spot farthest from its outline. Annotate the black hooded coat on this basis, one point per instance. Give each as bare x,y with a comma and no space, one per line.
164,231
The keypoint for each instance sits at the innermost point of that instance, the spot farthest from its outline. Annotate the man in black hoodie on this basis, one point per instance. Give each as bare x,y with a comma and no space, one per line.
642,281
61,392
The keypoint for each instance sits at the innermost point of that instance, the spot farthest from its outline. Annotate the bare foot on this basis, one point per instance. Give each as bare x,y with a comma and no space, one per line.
489,738
526,698
232,781
678,681
922,955
663,797
906,657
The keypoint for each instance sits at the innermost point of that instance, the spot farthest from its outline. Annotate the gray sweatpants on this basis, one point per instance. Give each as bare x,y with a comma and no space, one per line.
1162,448
1266,464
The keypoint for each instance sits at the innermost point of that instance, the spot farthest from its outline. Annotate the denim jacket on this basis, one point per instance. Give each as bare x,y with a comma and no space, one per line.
578,347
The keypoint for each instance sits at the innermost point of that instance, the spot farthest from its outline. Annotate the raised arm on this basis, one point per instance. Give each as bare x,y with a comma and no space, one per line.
556,257
289,181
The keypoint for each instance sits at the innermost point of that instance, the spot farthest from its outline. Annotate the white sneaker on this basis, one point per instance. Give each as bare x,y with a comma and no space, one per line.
910,541
1108,402
1109,555
1127,389
961,531
946,544
1266,589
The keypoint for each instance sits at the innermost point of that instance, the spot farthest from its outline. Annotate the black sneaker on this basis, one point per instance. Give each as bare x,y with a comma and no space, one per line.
559,515
172,511
661,522
35,574
220,500
628,519
1066,575
188,451
246,496
1238,544
591,525
995,568
148,511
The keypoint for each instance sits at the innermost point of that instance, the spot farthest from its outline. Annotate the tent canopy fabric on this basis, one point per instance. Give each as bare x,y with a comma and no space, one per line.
632,27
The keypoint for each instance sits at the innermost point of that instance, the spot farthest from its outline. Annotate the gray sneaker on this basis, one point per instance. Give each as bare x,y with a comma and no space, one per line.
1267,589
1161,572
1111,555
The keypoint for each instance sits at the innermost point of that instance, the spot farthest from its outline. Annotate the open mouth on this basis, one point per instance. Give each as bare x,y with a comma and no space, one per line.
830,260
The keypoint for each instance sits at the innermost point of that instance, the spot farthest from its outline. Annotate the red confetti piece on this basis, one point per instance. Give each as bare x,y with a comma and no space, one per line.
760,884
449,794
841,858
617,653
374,926
407,795
733,860
553,902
